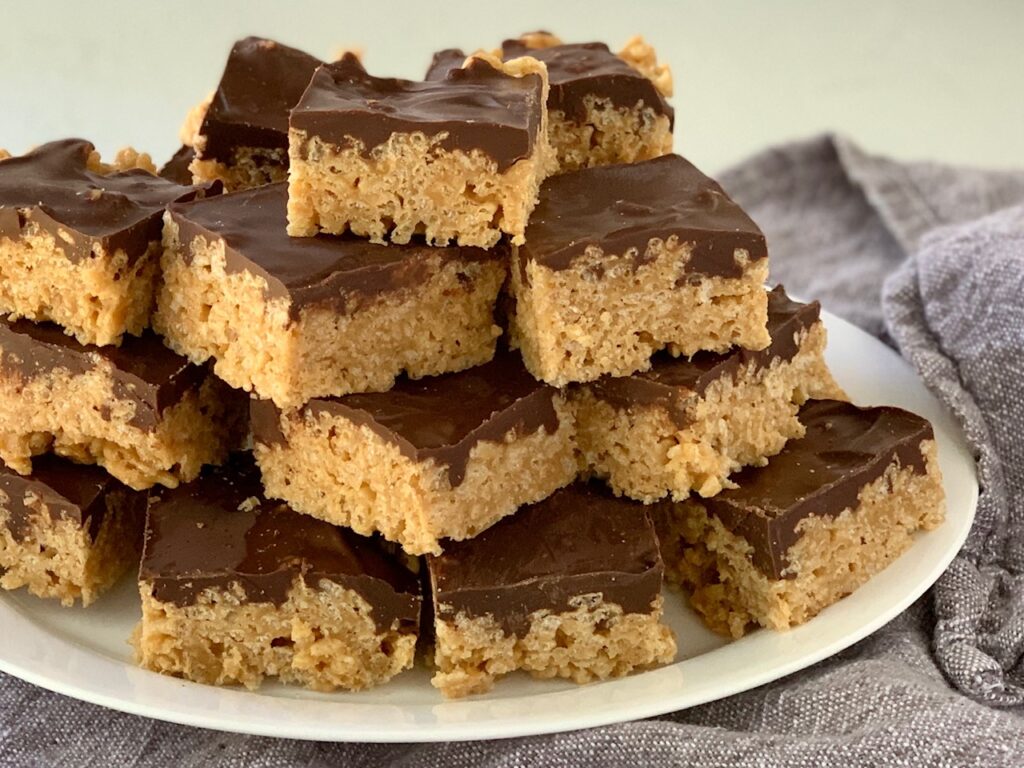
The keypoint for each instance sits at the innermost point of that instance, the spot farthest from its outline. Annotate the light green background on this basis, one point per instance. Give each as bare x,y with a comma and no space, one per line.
916,79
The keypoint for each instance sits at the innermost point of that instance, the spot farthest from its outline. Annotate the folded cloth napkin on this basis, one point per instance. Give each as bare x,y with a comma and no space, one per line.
930,258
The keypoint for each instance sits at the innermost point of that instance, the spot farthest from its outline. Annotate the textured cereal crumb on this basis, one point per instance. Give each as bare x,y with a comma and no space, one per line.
593,640
573,328
640,55
126,159
608,134
322,638
189,131
833,557
409,185
80,417
59,559
366,483
737,421
201,306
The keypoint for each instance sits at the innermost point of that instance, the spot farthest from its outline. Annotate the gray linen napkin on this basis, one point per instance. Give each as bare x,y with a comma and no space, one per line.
929,257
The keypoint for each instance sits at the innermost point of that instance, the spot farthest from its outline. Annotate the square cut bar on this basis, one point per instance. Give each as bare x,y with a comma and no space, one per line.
294,318
456,159
688,423
67,531
601,109
622,261
80,241
140,411
569,587
242,139
436,458
834,508
236,588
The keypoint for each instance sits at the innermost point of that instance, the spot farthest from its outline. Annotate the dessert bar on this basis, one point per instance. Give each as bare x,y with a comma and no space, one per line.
140,411
242,136
569,587
454,159
834,508
236,589
67,531
688,423
294,318
622,261
436,458
80,240
602,108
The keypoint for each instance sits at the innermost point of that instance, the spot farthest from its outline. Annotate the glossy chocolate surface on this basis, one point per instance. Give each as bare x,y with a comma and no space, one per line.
69,491
440,417
821,474
443,62
52,188
177,168
578,70
575,71
219,531
478,107
579,541
342,272
261,83
620,208
672,382
143,370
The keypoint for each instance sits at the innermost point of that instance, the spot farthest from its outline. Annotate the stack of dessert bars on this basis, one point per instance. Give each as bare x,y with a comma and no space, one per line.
464,367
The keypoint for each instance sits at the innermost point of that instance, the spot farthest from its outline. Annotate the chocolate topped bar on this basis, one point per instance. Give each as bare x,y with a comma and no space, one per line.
478,107
440,417
579,541
177,168
671,381
578,70
144,370
69,491
261,83
821,474
575,71
53,188
220,531
340,271
620,208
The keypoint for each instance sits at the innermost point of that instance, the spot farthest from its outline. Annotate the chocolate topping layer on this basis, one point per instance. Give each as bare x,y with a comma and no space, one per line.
342,272
261,83
220,531
440,417
575,71
444,62
579,541
821,474
143,370
69,491
578,70
52,188
176,169
477,107
673,381
620,208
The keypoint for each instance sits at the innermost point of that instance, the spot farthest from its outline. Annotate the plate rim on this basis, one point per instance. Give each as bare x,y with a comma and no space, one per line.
224,718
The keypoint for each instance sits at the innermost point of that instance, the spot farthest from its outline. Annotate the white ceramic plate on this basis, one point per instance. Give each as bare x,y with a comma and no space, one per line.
85,653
